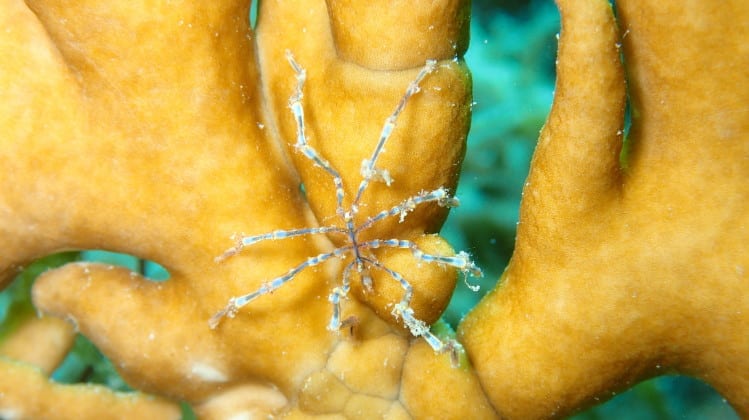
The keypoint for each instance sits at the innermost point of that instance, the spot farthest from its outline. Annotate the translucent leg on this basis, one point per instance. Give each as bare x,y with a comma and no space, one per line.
462,260
419,328
246,241
335,297
235,303
440,195
369,171
407,288
295,103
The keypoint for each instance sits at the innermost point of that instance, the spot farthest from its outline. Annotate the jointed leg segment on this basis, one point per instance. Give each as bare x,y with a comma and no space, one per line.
295,104
368,170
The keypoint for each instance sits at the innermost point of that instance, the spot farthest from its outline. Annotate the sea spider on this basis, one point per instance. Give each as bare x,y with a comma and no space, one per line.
360,251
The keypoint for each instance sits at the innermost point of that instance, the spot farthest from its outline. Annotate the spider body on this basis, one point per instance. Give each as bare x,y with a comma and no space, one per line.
360,251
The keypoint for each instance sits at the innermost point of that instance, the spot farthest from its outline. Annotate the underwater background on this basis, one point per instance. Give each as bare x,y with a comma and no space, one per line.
512,55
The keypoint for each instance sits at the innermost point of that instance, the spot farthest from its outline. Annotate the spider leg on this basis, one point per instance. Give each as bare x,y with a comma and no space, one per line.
419,328
340,292
295,104
462,260
407,288
440,195
236,302
246,241
368,169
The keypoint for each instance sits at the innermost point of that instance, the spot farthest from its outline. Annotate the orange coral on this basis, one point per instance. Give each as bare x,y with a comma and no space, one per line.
160,129
623,274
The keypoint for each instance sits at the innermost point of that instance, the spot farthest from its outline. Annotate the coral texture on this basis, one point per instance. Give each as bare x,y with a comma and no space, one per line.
161,129
146,128
623,273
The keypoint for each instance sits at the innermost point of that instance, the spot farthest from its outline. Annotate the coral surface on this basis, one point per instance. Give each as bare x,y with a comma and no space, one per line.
161,129
629,265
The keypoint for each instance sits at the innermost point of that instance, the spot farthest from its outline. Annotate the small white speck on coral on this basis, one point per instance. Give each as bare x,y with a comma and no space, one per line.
207,372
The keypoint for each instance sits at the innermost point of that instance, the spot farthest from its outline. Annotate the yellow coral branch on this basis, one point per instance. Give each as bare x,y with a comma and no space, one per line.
161,129
622,275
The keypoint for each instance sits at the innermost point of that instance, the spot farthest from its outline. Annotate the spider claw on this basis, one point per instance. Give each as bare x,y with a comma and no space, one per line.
216,319
454,349
449,202
228,312
226,255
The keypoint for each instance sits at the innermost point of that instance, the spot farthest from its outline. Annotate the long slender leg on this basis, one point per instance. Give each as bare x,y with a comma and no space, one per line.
408,290
369,171
340,292
418,328
268,287
440,195
295,104
246,241
462,260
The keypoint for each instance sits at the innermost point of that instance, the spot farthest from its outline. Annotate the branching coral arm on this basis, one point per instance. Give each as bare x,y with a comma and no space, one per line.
122,170
620,274
572,176
576,166
26,393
